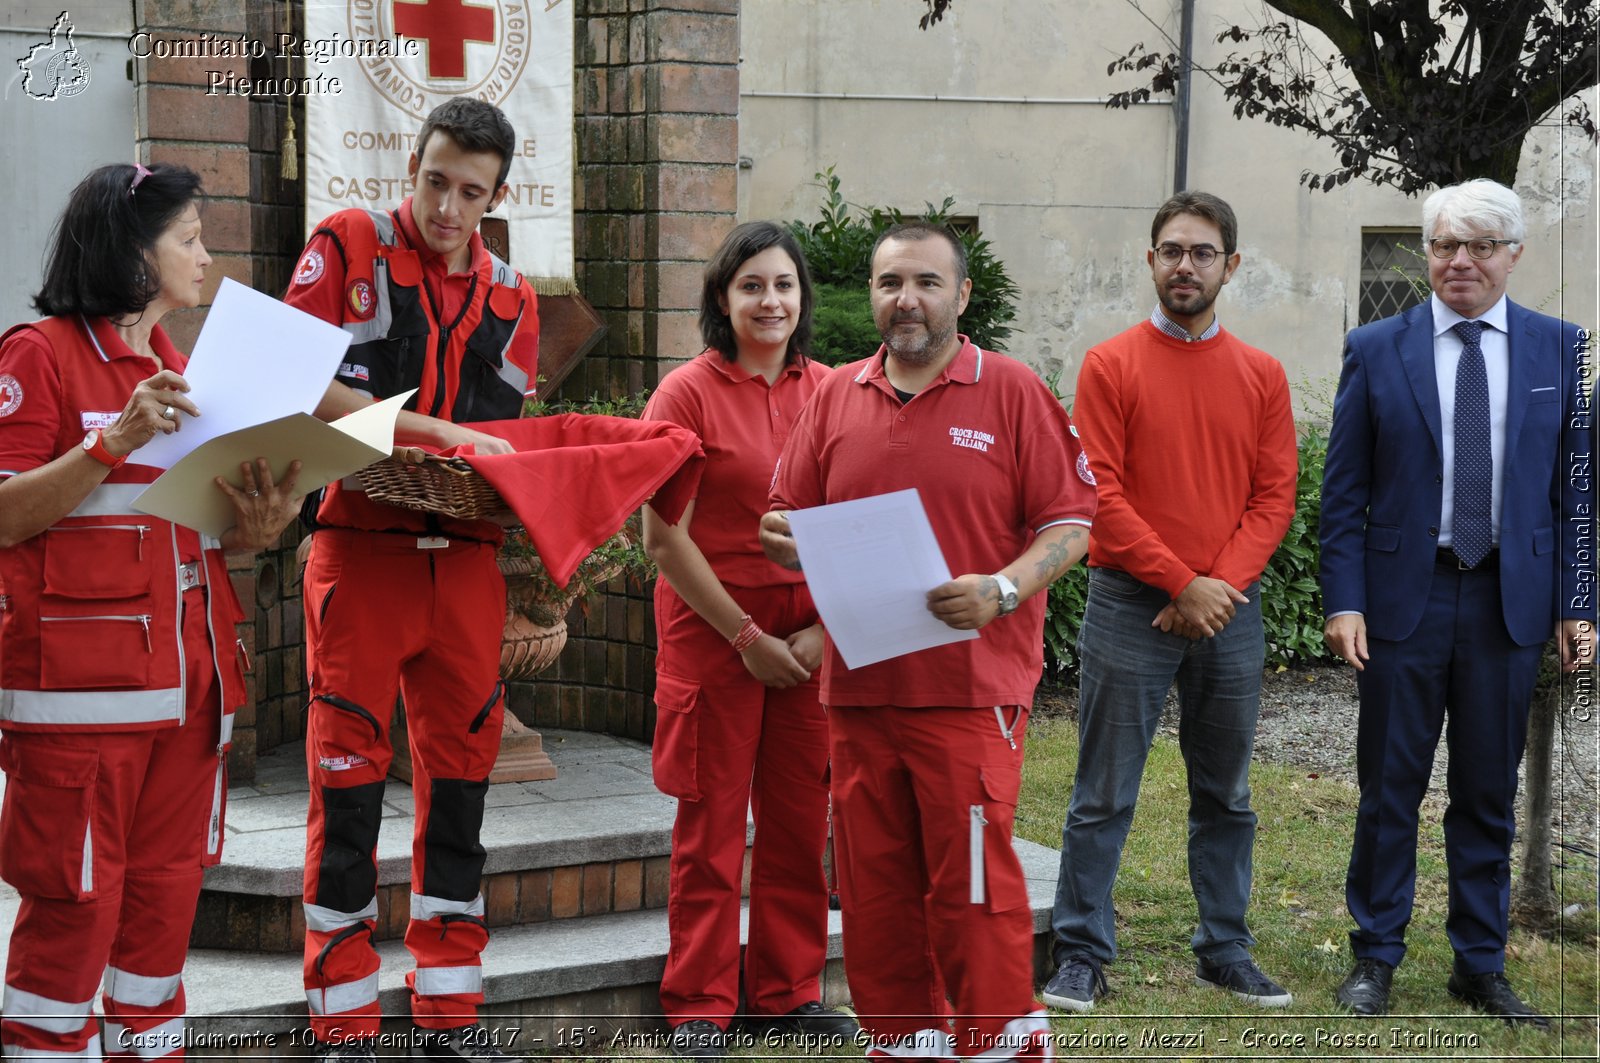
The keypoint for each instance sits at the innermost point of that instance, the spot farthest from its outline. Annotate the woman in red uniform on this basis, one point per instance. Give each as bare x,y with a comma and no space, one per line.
121,669
738,724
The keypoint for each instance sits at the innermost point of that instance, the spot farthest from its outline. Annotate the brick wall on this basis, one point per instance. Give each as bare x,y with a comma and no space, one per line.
656,107
276,236
250,223
657,102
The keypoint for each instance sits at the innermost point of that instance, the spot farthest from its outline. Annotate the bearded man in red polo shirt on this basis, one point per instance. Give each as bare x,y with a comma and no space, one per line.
927,748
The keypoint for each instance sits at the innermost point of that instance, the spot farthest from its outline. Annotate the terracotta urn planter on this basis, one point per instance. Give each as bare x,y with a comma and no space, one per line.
535,634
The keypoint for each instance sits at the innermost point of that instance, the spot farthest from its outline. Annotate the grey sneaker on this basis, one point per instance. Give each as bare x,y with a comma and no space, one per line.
353,1050
1077,984
1244,980
478,1044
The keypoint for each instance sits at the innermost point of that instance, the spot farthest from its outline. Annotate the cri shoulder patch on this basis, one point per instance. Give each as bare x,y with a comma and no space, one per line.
360,298
10,395
309,271
1084,472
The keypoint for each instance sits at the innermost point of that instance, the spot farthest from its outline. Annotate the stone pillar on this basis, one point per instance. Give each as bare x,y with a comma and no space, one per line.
657,103
251,227
277,232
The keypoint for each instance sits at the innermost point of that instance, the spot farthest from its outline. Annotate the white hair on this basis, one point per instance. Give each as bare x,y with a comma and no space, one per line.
1479,205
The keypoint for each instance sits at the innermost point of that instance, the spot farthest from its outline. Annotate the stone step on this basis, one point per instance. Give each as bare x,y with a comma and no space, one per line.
592,979
588,843
592,840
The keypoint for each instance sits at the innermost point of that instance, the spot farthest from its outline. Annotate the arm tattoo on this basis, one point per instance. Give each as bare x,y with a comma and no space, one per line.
1054,562
989,590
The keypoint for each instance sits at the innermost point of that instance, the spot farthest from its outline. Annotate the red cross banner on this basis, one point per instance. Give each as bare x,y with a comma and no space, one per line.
395,60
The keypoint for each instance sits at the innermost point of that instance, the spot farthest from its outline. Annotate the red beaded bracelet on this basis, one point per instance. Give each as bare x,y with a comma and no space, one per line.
747,635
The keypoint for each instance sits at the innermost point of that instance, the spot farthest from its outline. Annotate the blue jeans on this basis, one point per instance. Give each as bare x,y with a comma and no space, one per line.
1126,670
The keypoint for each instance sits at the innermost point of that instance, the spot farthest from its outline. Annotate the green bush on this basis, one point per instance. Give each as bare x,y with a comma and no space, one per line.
1291,599
1063,613
841,324
838,250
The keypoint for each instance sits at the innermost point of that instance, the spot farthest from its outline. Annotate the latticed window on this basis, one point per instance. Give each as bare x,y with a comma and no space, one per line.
1388,258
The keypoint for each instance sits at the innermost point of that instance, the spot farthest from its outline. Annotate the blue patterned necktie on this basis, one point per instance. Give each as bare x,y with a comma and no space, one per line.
1474,462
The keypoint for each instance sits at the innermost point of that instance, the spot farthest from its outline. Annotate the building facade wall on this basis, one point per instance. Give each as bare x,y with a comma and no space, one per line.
51,143
656,101
999,106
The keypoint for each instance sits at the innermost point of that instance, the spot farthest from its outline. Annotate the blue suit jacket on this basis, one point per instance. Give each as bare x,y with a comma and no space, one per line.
1383,486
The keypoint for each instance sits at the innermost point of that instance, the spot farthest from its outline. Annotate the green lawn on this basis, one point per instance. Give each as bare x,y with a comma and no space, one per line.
1157,1012
1297,914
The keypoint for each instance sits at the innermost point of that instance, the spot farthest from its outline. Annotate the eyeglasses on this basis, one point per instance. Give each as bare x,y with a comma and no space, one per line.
1201,255
1479,249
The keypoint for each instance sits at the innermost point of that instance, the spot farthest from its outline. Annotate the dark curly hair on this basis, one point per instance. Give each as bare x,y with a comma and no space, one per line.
918,229
1202,205
100,262
744,243
474,125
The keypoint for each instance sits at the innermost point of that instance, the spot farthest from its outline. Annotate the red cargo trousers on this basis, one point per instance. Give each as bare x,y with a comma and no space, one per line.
388,615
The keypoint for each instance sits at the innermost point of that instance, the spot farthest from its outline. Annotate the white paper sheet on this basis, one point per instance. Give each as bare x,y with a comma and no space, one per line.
186,494
256,360
870,564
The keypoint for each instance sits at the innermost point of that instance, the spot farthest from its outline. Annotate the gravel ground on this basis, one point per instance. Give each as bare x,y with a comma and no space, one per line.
1308,719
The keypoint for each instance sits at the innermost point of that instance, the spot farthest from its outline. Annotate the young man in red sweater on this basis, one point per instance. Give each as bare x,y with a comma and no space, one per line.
1191,440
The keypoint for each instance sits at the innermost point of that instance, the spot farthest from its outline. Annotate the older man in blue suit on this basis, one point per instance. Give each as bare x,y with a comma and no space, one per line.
1455,532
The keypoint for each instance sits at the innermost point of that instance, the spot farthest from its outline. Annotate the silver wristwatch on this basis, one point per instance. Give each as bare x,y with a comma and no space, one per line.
1008,594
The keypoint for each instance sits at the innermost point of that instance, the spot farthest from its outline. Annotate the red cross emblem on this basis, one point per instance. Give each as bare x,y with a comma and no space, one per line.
445,27
10,395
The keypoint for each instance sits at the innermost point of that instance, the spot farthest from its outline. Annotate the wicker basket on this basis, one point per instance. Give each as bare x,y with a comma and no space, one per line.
447,486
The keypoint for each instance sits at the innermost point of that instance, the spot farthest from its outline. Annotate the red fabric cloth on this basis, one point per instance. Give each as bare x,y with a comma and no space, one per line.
576,477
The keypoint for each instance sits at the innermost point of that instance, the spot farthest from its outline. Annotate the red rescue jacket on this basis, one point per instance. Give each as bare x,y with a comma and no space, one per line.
89,617
461,368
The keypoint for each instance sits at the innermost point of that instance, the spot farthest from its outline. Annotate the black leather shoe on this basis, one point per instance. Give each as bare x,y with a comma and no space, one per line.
1365,990
698,1039
809,1020
1491,994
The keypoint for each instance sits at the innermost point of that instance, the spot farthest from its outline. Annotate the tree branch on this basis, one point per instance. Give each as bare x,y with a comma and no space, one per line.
1330,18
1544,95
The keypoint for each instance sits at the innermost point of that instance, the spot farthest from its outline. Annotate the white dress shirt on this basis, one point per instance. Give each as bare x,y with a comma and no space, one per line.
1496,346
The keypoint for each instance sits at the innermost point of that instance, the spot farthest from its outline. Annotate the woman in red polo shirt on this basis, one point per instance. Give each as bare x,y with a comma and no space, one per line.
738,724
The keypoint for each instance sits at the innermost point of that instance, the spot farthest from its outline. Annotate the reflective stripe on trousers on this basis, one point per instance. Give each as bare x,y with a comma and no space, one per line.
346,996
92,1052
42,1013
447,981
141,990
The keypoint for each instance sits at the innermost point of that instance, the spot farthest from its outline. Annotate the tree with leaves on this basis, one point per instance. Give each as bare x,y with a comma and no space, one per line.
1414,94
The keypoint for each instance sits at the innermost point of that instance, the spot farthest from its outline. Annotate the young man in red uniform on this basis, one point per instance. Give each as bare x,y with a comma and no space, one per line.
927,748
403,602
1191,439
